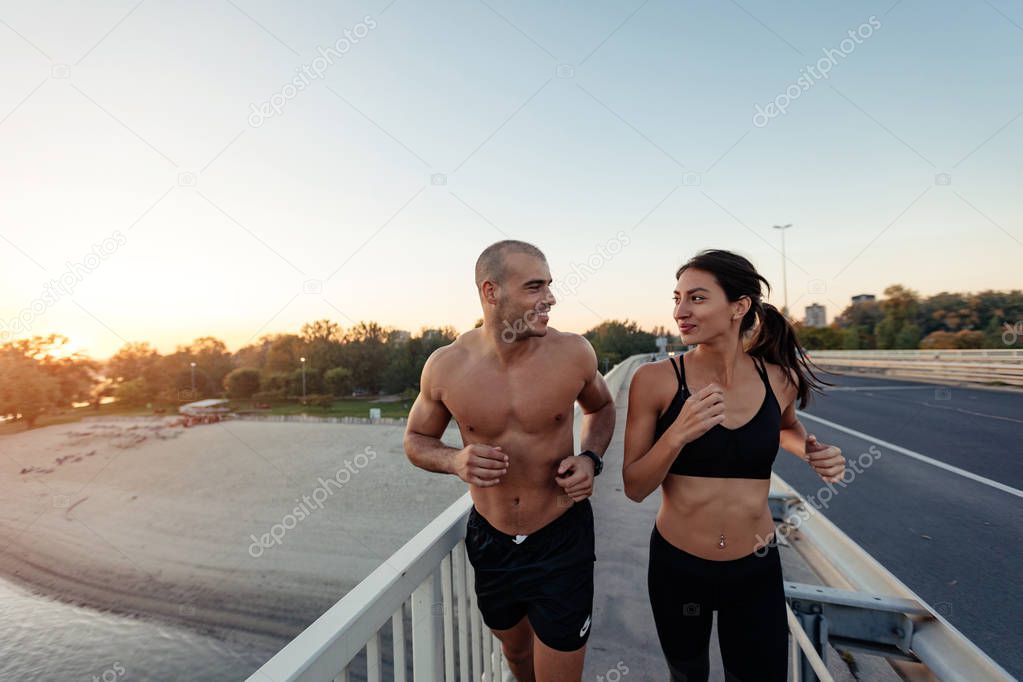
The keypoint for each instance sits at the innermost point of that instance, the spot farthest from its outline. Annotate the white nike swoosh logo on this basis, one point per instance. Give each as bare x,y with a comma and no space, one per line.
586,626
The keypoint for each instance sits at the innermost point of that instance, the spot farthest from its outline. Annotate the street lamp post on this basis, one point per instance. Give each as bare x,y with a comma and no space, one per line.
784,270
303,377
193,379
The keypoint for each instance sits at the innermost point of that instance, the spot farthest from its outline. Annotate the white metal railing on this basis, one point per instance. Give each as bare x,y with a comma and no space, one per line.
425,589
800,642
975,365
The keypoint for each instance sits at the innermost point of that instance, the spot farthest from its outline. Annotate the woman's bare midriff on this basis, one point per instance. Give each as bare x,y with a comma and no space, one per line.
695,511
528,497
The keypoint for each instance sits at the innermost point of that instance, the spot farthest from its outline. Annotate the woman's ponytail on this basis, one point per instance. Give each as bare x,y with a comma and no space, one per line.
776,342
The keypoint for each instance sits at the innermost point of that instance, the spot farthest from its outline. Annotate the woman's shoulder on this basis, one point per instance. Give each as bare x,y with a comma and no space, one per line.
653,382
784,381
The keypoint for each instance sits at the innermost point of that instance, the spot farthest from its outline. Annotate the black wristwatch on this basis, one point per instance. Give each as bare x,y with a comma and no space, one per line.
598,463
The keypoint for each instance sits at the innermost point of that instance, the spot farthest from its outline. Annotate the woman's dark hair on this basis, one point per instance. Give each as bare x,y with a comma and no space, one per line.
776,339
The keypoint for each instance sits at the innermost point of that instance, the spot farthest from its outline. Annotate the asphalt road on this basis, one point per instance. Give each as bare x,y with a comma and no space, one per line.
954,541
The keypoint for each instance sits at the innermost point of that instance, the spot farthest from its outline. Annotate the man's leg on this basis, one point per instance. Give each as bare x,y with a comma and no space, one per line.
552,665
517,647
499,593
561,607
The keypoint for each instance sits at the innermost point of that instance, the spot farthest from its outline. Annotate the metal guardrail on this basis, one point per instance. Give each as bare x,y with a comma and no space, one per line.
937,353
970,365
864,606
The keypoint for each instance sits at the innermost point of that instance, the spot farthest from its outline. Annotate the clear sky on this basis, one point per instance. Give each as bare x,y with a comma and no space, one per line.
138,163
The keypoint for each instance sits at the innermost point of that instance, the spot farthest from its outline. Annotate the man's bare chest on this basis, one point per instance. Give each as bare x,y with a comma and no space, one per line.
491,403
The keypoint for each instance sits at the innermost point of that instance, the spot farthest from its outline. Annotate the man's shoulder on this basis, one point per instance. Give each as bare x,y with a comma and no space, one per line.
454,352
569,342
573,350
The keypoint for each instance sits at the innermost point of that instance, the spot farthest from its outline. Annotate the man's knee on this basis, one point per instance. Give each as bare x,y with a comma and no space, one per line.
518,646
517,652
517,642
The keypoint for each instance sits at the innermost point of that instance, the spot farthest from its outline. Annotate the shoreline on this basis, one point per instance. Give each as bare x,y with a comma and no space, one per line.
157,523
226,625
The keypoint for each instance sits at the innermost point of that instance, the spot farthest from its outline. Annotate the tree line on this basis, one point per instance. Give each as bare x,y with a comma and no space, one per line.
36,376
904,320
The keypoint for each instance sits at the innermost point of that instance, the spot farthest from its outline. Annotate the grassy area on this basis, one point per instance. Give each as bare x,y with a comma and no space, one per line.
346,407
74,414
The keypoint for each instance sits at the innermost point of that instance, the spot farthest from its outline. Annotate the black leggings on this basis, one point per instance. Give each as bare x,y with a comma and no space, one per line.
748,595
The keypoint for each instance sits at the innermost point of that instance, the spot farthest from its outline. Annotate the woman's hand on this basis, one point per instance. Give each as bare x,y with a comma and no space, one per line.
700,412
826,460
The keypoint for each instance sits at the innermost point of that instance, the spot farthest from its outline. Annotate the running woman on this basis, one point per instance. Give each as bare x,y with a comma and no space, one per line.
706,427
511,386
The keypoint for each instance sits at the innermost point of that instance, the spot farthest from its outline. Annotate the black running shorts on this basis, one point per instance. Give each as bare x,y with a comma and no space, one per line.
547,576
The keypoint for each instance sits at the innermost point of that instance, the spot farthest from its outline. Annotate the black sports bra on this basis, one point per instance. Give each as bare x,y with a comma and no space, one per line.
745,452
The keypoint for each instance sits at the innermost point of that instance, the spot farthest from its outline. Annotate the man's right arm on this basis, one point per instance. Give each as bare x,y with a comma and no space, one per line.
476,464
427,420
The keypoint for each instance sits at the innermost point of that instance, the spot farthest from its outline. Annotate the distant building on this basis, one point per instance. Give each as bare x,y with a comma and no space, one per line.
399,336
815,316
863,298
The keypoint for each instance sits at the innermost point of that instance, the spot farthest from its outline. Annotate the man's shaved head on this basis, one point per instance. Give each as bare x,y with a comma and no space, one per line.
491,265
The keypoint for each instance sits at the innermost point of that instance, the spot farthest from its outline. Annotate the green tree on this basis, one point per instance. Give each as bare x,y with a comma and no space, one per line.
26,389
133,391
820,338
366,355
615,340
242,382
323,343
908,336
135,361
338,381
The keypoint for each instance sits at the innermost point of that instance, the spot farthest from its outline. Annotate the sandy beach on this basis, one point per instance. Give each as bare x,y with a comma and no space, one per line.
237,529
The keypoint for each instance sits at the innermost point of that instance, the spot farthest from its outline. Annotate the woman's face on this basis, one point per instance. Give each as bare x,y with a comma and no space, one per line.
702,311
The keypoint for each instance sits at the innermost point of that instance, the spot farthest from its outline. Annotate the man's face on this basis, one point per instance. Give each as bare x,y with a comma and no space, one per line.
524,298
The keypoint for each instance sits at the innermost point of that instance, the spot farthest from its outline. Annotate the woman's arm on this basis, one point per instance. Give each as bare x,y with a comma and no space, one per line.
645,463
793,433
826,460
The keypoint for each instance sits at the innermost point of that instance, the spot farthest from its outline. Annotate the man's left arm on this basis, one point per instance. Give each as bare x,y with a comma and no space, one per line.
575,474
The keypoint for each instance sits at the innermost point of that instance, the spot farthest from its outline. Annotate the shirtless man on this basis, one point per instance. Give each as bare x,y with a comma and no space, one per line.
511,385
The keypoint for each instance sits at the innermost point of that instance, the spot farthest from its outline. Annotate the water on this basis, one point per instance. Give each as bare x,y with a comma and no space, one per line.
43,639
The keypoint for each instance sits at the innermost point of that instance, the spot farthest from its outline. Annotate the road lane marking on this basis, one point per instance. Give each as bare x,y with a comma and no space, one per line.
879,388
915,455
